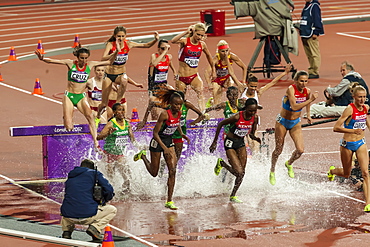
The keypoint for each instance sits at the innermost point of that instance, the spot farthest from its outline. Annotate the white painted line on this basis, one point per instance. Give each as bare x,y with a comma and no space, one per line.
327,152
353,36
28,92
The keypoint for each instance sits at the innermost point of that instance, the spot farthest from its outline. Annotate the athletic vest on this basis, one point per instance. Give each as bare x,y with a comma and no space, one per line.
170,126
96,93
228,112
300,98
78,75
117,141
184,113
358,118
190,53
221,70
244,95
122,56
242,127
160,71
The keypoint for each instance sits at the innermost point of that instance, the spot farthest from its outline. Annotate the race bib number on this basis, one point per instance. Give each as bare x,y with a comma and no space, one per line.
228,143
192,62
360,125
278,118
121,59
222,72
160,77
96,96
154,143
169,130
241,132
79,77
121,141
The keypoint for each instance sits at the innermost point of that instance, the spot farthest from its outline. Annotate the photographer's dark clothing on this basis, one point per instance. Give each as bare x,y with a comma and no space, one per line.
311,22
78,199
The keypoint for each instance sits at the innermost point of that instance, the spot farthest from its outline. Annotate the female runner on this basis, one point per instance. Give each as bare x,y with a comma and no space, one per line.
167,124
241,124
78,74
223,61
191,49
354,120
296,98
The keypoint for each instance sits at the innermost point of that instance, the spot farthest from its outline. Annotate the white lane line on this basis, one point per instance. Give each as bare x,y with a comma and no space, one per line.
114,227
353,36
28,92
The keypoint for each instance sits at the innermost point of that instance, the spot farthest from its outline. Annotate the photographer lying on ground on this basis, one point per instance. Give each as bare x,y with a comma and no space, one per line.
339,97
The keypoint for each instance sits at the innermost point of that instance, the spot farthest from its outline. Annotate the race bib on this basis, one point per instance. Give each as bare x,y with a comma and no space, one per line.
96,95
79,76
160,77
241,132
222,72
169,130
121,59
303,22
228,143
360,125
154,143
192,62
121,141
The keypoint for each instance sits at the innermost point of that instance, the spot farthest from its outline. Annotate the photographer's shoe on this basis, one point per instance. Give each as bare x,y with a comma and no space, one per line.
67,235
94,233
139,154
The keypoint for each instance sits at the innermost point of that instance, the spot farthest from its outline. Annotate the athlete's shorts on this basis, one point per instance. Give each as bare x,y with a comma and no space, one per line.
75,97
288,124
187,79
176,134
94,108
233,143
178,140
111,102
221,80
112,157
353,146
113,77
155,147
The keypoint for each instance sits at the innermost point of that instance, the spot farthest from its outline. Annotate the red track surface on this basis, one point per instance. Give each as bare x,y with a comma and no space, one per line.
56,25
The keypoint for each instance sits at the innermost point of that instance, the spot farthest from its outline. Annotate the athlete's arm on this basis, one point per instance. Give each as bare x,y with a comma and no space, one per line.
106,131
196,110
220,106
308,110
232,119
67,62
254,128
162,118
209,58
106,55
149,44
263,89
347,113
298,106
241,64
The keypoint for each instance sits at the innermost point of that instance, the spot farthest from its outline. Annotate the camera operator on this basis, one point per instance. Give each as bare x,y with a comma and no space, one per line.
80,206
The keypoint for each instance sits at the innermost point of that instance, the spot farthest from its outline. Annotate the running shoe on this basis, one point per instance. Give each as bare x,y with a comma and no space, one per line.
367,208
272,178
235,199
209,102
97,121
170,205
332,176
139,154
290,169
218,166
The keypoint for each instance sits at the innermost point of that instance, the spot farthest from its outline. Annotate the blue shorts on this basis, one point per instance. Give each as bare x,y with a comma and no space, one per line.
353,146
288,124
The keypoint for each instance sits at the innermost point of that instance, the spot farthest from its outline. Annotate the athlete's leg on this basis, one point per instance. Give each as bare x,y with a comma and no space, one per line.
178,149
280,133
171,162
153,165
363,160
238,161
67,113
297,136
217,93
180,86
122,81
197,86
84,108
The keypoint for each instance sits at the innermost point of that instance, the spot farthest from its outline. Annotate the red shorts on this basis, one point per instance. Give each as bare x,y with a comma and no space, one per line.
112,102
221,80
94,108
112,157
187,79
178,140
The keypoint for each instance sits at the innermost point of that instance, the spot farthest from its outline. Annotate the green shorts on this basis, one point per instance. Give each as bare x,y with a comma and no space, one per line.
75,97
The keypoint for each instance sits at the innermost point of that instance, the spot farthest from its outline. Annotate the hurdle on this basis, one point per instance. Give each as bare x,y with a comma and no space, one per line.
62,150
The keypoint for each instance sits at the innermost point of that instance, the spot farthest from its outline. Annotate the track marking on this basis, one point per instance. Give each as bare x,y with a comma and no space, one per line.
87,19
51,200
28,92
353,36
346,8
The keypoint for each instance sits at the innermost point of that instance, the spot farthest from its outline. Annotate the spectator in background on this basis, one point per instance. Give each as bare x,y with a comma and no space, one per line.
79,205
339,97
311,28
